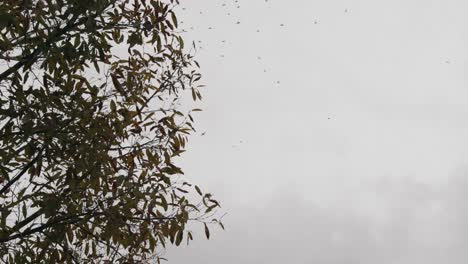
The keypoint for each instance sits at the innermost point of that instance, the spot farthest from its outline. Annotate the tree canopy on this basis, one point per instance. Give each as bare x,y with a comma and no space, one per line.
91,122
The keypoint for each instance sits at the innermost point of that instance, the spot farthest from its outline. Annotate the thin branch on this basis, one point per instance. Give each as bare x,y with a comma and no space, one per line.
22,172
32,57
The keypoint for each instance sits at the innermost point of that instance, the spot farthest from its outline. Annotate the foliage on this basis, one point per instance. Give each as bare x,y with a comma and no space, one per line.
90,125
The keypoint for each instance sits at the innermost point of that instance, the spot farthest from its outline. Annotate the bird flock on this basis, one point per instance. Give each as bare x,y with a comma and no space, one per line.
229,10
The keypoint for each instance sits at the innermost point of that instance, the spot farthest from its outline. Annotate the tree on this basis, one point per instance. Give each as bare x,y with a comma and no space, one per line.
90,126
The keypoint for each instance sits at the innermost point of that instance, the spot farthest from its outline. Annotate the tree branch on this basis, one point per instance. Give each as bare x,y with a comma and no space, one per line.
32,57
22,172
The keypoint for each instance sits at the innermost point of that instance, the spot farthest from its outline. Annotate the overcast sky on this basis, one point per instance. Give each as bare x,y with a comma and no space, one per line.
336,131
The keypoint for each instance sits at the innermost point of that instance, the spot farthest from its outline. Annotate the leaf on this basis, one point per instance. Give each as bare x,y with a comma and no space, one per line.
198,190
152,243
86,251
112,106
181,43
164,203
5,18
70,234
179,237
25,211
77,41
207,231
96,66
174,19
117,84
21,193
194,94
209,209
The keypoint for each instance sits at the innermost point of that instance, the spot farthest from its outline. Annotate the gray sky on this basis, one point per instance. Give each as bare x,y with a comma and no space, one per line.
336,131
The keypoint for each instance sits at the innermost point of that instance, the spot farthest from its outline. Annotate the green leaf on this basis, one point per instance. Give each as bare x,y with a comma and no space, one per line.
117,85
96,66
164,203
25,211
112,106
179,237
174,19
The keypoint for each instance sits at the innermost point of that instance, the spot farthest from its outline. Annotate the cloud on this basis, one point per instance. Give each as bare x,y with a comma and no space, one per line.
407,222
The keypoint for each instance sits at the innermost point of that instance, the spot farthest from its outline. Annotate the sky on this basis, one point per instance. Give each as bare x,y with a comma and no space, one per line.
334,132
